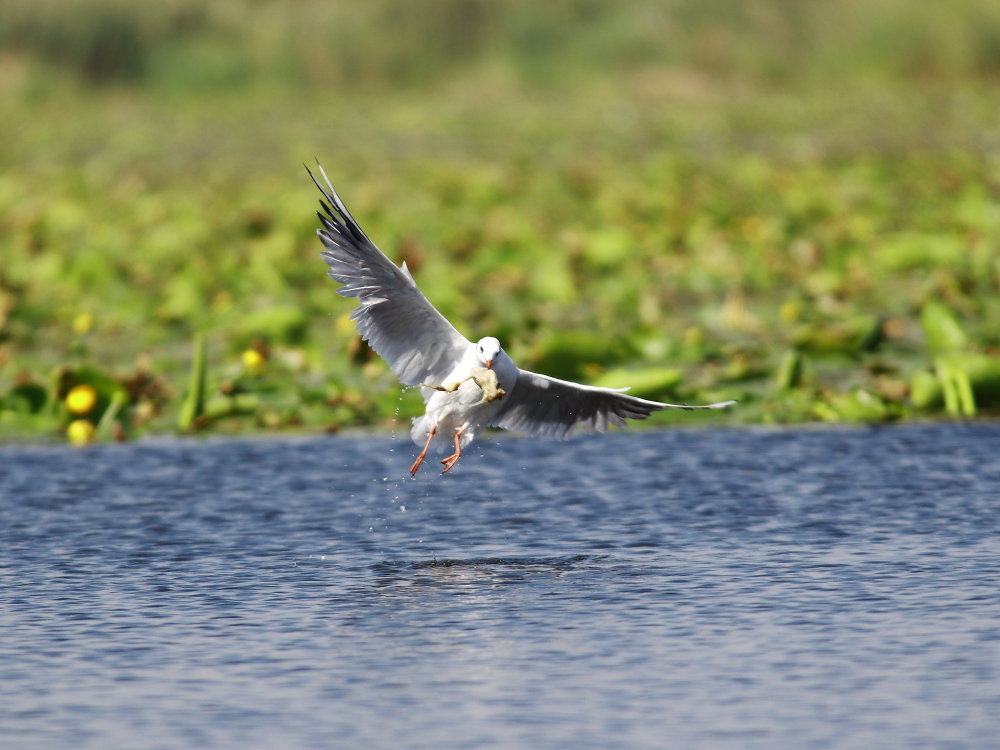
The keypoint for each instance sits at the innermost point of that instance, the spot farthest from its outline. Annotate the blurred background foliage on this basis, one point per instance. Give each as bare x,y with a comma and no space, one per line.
789,203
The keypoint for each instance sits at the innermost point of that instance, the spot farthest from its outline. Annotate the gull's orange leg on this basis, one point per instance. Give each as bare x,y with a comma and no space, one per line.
453,458
420,459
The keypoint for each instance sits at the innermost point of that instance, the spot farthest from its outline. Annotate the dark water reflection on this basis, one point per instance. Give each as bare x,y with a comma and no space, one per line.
800,588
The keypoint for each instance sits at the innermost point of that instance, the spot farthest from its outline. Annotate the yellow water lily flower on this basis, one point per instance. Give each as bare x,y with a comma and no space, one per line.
82,323
253,361
81,399
80,432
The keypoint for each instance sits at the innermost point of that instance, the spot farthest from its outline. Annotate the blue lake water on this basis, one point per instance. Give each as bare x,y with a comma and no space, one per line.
823,588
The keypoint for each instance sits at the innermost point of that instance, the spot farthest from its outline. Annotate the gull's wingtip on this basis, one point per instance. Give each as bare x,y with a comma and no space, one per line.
691,407
312,177
721,405
317,165
328,190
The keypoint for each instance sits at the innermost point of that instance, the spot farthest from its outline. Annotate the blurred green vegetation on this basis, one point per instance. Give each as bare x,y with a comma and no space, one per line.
796,205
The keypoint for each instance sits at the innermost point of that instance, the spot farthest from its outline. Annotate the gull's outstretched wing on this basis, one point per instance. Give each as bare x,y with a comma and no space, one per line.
542,406
393,316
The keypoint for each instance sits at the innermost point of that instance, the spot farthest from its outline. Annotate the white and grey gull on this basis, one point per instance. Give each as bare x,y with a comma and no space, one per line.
466,386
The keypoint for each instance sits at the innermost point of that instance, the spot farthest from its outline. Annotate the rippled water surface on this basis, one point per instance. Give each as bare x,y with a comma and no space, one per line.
800,588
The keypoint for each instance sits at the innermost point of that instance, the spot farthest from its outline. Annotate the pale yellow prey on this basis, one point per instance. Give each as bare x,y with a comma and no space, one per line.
466,386
486,379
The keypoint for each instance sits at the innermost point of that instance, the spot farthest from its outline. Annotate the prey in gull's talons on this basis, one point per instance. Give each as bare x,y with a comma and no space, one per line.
465,386
486,380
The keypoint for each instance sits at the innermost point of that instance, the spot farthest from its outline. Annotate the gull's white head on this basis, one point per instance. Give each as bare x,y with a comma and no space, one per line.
487,350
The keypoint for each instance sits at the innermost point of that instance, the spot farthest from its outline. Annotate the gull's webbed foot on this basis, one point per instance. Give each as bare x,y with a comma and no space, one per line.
451,460
423,454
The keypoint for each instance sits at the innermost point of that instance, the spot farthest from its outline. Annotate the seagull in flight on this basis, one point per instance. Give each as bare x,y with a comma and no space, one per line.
466,386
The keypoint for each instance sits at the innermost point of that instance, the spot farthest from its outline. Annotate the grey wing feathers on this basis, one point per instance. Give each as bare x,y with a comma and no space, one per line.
393,316
543,406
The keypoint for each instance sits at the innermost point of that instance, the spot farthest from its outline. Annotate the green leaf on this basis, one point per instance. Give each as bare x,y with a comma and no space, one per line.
284,324
194,401
925,390
942,330
789,373
647,382
27,398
